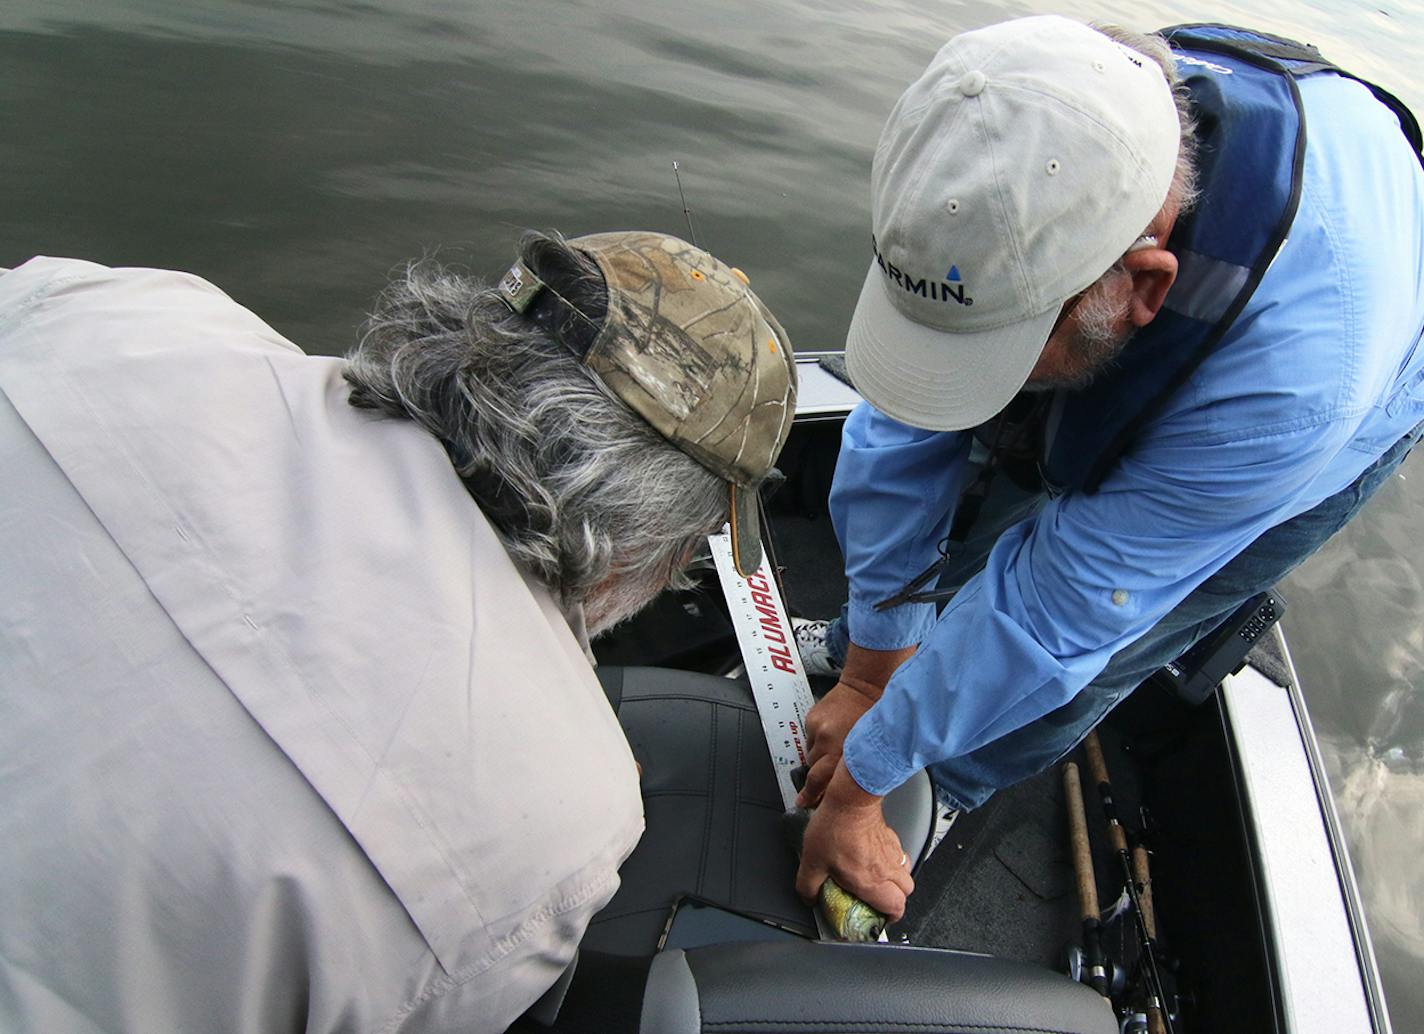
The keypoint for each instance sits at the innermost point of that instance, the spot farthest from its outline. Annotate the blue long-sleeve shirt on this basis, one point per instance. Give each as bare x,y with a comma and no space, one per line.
1318,376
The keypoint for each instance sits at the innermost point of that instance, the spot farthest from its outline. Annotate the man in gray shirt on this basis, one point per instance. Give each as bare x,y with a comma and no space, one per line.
297,727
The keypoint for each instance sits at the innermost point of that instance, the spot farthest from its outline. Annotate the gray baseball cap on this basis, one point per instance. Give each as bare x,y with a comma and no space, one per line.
693,351
1018,168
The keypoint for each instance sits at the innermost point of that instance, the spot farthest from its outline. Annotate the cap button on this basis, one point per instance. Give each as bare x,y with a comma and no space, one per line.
972,85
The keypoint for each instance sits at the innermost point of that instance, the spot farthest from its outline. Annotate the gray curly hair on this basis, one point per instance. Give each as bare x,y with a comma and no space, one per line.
583,493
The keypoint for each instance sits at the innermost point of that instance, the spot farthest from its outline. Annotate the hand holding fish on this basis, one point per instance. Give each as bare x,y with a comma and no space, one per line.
847,838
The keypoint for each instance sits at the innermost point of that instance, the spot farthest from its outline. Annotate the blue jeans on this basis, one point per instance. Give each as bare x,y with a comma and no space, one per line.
969,780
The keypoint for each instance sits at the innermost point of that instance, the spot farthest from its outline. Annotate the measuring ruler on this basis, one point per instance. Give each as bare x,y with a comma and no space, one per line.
779,686
783,696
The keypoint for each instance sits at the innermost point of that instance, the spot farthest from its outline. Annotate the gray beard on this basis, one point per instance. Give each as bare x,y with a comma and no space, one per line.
1101,331
1092,351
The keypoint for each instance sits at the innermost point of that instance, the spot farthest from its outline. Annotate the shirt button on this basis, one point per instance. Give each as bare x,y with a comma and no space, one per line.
1120,597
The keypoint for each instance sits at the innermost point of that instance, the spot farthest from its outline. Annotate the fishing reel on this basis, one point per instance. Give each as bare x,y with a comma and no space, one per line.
1078,967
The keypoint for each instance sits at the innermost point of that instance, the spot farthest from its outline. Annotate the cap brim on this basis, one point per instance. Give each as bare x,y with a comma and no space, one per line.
745,527
933,379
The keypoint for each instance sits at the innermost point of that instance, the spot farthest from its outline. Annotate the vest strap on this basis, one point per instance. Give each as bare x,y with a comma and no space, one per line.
1205,286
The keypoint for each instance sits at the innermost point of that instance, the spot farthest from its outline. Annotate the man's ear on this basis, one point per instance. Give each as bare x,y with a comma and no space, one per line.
1153,272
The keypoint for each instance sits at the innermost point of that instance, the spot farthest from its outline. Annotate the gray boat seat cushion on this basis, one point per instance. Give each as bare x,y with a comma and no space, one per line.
712,809
804,986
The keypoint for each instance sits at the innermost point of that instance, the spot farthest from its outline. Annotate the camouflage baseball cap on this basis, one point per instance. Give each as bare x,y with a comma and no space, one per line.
693,351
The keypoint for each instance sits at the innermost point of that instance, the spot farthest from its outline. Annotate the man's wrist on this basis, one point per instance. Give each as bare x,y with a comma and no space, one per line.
867,671
845,792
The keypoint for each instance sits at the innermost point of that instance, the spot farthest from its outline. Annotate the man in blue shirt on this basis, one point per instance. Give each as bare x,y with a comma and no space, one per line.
1209,410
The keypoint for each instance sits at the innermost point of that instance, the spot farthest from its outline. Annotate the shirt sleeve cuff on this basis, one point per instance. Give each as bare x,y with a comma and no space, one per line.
869,761
893,629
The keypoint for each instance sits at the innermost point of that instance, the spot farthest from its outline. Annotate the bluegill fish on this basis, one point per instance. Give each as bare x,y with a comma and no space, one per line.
849,918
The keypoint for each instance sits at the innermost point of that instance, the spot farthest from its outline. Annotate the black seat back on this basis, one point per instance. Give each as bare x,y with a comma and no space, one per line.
712,808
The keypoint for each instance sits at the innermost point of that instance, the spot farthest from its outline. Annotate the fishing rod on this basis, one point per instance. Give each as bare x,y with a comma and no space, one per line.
1159,1019
1094,961
686,212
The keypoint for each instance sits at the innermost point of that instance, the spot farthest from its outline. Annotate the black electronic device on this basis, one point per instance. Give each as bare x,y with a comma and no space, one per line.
1195,675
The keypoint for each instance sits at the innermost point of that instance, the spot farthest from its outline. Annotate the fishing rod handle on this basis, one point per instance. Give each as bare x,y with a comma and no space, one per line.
1098,768
1097,764
1141,872
1078,837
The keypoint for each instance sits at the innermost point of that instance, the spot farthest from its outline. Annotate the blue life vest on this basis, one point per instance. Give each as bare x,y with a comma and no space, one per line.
1251,134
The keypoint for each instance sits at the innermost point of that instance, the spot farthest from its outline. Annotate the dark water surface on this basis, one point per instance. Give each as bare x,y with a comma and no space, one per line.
294,152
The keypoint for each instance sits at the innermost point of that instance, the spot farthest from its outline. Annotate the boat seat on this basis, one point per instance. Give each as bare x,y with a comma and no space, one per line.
816,986
714,829
712,808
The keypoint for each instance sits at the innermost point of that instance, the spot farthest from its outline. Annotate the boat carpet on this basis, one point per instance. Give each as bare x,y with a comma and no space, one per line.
1001,882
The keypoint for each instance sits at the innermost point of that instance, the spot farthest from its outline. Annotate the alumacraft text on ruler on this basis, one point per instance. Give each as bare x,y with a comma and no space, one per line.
774,670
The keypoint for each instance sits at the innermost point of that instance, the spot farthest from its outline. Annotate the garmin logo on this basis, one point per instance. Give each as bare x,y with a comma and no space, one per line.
948,289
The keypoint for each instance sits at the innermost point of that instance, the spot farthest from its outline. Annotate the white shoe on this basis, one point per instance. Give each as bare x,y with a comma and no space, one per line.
815,653
944,819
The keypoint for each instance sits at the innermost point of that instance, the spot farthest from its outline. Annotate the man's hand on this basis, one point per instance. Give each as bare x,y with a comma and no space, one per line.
828,723
847,838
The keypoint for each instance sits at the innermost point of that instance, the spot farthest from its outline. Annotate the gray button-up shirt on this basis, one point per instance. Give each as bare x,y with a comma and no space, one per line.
286,741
